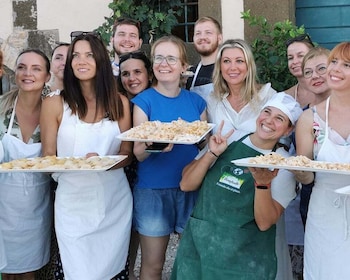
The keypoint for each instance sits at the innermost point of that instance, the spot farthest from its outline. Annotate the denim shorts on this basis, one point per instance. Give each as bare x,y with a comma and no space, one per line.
160,212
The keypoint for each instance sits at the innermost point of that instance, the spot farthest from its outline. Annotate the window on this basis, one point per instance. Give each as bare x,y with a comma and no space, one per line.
185,28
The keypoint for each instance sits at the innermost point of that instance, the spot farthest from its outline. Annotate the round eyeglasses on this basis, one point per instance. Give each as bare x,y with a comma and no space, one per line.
171,60
320,70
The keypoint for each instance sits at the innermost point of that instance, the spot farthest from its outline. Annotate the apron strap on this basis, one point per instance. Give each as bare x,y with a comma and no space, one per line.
12,116
196,74
326,128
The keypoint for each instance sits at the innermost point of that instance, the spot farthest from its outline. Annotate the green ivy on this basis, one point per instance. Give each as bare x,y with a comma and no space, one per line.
270,50
157,17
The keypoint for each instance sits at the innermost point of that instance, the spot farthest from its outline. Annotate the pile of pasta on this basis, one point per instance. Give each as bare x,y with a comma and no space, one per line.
178,130
56,163
299,161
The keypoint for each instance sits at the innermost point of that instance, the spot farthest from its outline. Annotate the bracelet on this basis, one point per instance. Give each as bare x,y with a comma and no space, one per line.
262,187
209,151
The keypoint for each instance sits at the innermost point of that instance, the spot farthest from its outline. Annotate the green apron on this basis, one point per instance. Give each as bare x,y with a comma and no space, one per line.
221,239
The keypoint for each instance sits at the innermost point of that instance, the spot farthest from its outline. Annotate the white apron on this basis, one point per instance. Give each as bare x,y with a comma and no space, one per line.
327,235
92,209
25,209
203,90
3,261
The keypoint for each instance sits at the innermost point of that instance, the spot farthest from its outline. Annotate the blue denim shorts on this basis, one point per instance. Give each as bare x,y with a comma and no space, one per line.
160,212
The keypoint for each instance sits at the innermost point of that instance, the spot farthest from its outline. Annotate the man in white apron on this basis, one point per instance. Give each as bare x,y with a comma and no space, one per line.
207,38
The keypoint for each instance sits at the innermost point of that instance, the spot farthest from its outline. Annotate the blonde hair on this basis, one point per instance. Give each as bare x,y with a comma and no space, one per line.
1,59
314,52
250,89
176,41
7,100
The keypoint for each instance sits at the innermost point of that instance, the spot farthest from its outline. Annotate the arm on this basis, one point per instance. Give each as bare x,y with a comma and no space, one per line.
194,173
267,211
124,125
50,119
139,147
304,138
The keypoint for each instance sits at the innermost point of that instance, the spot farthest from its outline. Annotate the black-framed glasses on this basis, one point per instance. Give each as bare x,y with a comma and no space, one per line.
75,34
301,38
171,60
320,70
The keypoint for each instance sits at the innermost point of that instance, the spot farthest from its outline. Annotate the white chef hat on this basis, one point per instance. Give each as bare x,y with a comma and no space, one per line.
286,104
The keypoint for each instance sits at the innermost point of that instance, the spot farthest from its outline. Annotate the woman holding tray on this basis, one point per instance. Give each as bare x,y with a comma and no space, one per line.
92,209
322,134
135,76
231,232
25,204
160,207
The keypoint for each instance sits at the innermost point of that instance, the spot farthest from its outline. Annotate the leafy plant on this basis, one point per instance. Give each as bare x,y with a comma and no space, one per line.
270,50
157,17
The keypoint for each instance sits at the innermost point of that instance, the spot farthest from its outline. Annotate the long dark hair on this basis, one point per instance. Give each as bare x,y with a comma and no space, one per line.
107,96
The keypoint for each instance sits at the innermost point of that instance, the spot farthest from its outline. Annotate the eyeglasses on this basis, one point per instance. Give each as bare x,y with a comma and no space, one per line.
75,34
301,38
171,60
320,70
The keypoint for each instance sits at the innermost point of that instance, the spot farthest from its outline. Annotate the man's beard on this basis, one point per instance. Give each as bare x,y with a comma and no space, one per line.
207,52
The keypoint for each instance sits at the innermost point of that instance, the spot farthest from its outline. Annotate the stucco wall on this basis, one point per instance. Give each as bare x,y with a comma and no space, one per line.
228,12
39,23
272,10
68,15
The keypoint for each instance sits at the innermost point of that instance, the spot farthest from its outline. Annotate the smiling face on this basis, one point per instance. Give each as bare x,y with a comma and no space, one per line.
272,124
83,62
206,38
317,68
295,54
134,76
59,58
233,66
163,71
338,77
31,72
126,39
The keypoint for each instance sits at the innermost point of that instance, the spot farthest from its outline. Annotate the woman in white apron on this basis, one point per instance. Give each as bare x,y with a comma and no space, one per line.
323,134
25,204
92,210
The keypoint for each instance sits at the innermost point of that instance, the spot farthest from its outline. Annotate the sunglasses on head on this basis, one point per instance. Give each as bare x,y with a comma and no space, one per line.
301,38
75,34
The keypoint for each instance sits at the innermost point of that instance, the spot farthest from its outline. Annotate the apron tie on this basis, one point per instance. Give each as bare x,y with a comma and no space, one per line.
345,214
337,203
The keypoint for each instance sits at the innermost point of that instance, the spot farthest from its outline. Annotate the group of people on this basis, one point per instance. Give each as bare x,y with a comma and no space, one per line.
230,218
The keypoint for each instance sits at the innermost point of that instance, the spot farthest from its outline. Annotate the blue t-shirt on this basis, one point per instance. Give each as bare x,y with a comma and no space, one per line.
164,170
